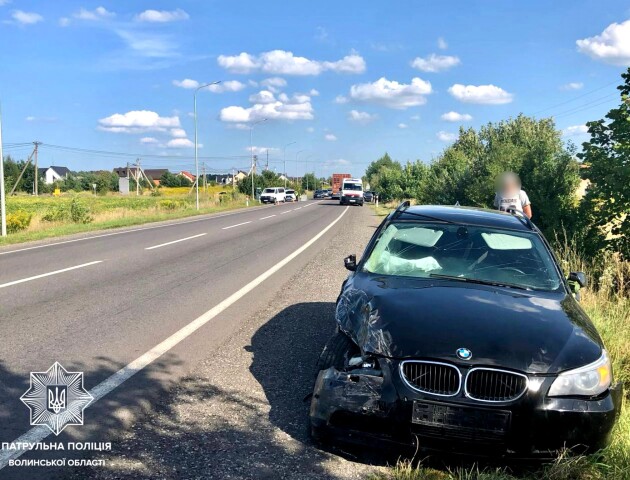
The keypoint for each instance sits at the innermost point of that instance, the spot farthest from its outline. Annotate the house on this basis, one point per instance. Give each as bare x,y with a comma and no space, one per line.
53,173
155,174
240,175
187,175
220,178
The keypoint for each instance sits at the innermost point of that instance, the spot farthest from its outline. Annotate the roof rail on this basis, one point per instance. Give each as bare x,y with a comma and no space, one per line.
400,208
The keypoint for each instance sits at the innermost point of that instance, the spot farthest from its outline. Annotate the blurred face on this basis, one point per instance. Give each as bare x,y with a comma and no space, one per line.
509,184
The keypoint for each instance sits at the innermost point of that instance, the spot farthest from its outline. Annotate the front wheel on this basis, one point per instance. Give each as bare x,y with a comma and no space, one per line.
337,352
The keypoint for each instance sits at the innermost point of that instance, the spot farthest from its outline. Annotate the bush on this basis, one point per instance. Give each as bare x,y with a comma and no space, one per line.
19,220
57,213
168,204
79,213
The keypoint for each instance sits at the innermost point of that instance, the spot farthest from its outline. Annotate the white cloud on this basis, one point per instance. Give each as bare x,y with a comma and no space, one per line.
180,143
227,86
64,21
340,99
392,94
274,82
99,13
575,130
313,92
266,105
441,43
446,136
403,125
26,18
148,140
310,129
361,117
572,86
260,150
178,133
456,117
484,94
333,164
162,16
186,83
32,118
330,137
435,63
415,118
611,46
137,121
281,62
4,2
149,45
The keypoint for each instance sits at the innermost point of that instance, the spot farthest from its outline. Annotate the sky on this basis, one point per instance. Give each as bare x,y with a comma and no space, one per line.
328,86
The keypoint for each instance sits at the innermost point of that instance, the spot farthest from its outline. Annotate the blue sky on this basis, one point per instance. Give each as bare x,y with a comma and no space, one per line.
344,80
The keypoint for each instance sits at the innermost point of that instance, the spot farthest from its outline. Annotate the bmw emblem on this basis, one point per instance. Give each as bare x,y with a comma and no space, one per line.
463,353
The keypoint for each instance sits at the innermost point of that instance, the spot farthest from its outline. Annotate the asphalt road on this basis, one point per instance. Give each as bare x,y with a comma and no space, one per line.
168,296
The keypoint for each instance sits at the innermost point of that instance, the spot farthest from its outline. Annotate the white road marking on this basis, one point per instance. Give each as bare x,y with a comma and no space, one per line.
288,211
174,241
39,433
299,208
265,218
194,220
15,282
237,225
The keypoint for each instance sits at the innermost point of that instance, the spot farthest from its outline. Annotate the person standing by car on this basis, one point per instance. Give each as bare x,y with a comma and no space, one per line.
510,196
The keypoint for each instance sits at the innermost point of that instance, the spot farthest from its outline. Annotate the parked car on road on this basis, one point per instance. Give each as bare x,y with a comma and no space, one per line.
319,194
273,195
290,196
329,193
458,331
368,196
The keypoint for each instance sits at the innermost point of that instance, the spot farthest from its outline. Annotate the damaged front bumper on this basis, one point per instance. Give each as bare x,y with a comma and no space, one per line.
370,407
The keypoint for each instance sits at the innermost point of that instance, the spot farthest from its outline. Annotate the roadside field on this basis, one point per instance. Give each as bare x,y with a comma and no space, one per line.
34,218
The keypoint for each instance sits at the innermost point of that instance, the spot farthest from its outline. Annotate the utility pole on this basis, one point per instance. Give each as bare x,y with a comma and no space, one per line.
37,144
267,164
251,148
285,162
205,183
3,206
196,185
28,161
137,177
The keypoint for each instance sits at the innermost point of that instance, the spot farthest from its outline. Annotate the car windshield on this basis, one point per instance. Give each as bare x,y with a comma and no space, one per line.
352,186
269,190
465,253
290,191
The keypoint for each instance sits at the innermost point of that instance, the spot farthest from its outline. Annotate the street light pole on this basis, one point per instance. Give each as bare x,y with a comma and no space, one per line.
297,169
196,143
251,148
285,163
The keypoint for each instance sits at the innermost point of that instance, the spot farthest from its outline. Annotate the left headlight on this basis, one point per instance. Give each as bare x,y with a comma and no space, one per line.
588,381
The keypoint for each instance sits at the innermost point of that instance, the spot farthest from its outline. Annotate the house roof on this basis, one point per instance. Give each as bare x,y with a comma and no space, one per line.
155,173
61,171
188,175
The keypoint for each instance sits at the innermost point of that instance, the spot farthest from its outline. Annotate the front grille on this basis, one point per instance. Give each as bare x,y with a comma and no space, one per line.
490,385
431,377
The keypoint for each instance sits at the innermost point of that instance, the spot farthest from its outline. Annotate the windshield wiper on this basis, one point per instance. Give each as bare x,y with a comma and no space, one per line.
478,281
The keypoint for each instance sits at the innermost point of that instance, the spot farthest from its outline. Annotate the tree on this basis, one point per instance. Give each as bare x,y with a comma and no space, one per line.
309,181
170,180
606,157
384,161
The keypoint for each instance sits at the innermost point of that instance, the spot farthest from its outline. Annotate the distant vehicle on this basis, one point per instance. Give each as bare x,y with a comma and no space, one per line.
368,196
351,192
290,196
337,180
319,194
329,193
273,195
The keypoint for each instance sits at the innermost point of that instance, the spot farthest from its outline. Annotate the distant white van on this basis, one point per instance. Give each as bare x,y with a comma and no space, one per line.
273,195
351,192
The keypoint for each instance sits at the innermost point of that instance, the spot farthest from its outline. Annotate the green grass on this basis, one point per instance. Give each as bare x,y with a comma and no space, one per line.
111,211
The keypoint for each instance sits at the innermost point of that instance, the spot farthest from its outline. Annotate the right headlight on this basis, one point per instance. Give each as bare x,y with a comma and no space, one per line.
587,381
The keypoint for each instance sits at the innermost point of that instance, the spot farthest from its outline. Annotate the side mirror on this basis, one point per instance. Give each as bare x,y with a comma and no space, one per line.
350,262
579,278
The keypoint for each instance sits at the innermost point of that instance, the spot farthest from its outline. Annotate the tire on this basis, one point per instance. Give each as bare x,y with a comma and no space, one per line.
337,352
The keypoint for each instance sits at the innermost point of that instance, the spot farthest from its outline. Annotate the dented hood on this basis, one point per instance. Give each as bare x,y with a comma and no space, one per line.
535,332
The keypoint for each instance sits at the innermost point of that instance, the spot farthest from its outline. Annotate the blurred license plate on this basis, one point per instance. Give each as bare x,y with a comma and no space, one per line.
352,200
435,415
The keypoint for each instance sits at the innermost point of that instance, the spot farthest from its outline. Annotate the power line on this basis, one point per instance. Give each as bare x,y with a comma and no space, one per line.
576,98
